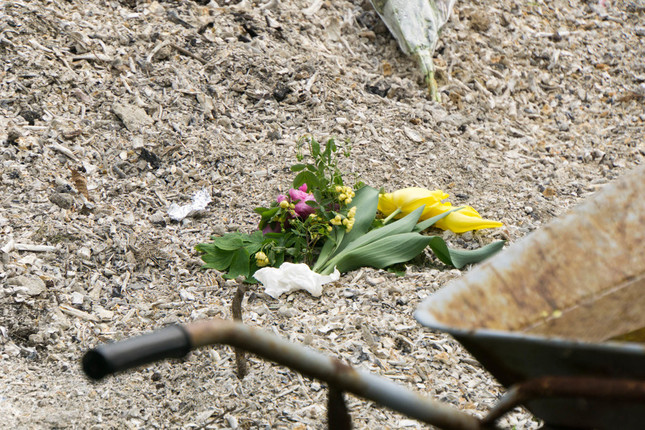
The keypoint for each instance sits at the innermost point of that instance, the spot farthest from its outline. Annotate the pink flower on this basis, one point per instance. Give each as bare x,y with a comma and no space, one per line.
273,227
303,209
300,197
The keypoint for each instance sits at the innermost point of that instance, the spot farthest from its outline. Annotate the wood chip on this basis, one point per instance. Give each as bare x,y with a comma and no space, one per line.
69,310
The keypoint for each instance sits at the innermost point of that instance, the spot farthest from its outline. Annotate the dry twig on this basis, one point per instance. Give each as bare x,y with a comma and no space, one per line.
236,310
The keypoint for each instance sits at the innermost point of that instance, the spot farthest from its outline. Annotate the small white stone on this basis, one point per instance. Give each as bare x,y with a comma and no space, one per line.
232,422
84,253
31,285
77,298
413,135
287,312
376,280
186,296
103,313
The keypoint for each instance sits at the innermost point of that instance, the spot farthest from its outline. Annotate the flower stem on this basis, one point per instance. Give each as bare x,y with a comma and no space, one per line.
432,87
392,215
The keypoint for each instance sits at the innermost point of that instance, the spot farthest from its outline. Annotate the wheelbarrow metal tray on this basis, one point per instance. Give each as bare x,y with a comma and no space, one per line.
551,304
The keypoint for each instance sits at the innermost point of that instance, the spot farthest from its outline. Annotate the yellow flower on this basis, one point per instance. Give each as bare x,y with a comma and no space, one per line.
261,259
346,194
409,199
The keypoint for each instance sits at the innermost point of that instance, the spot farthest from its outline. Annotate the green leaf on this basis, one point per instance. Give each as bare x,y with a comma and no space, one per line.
461,257
256,237
217,259
306,177
229,242
205,247
266,216
279,259
330,147
366,202
298,167
318,196
270,212
432,221
315,148
404,225
239,265
253,247
329,247
274,236
384,252
440,249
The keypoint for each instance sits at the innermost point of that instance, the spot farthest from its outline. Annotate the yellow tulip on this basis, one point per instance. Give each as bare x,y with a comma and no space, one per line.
409,199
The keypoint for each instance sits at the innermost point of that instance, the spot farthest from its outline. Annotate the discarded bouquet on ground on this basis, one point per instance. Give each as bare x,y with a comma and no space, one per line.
323,227
416,24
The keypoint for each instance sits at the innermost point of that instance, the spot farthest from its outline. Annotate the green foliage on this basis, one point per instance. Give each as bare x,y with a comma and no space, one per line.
397,242
365,201
232,253
461,257
290,236
322,172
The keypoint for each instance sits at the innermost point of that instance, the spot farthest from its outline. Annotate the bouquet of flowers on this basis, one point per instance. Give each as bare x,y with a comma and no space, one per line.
322,228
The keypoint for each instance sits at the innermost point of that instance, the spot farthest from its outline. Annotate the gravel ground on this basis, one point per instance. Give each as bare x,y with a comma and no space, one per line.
112,111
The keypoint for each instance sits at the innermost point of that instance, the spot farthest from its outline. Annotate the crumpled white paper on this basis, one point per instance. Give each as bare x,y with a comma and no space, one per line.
200,200
291,277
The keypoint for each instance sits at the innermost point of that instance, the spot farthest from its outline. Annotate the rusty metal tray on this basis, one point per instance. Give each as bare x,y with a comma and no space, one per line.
552,305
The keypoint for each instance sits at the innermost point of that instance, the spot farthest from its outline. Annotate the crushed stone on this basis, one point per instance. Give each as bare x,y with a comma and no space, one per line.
151,101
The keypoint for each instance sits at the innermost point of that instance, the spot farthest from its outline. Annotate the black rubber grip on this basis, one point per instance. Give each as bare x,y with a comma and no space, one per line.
169,342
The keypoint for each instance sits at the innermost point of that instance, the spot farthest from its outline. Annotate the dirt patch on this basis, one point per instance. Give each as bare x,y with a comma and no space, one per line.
143,104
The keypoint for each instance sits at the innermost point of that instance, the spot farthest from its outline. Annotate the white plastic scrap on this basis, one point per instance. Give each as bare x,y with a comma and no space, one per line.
291,277
200,200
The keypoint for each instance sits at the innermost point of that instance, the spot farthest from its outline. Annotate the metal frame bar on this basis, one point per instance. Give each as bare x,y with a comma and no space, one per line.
178,340
335,372
567,387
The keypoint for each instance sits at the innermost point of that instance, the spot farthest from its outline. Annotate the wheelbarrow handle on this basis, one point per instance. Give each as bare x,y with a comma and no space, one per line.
170,342
177,341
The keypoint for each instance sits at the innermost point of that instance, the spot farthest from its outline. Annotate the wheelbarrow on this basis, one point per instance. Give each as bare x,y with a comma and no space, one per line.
558,318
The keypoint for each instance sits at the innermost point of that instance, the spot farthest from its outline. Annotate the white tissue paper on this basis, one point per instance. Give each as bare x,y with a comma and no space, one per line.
200,200
291,277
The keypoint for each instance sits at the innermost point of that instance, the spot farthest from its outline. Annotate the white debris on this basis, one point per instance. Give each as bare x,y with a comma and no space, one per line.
291,277
200,200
